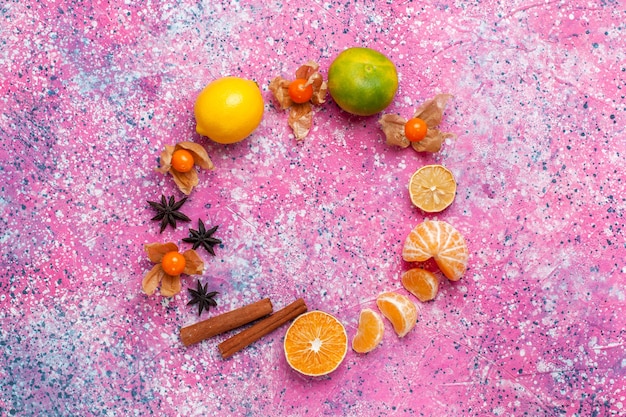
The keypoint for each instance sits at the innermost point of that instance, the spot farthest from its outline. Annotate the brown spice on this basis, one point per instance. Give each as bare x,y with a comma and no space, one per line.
225,322
250,335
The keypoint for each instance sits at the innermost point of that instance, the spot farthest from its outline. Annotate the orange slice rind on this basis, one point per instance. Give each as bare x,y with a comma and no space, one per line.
316,343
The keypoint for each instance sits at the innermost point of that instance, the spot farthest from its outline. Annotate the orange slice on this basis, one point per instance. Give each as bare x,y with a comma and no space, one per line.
421,283
399,310
432,188
438,240
369,333
316,343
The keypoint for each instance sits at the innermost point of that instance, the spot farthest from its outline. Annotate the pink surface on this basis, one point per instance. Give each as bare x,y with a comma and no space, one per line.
89,96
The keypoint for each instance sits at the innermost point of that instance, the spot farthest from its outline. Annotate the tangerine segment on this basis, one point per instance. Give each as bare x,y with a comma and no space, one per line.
432,188
439,240
316,343
369,333
399,310
421,283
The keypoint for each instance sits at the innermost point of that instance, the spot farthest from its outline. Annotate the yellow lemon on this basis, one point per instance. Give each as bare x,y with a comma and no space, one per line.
362,81
229,109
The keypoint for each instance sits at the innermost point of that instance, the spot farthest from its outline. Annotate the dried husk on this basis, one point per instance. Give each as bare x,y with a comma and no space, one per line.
301,119
200,155
432,142
300,115
393,128
165,159
152,279
185,181
431,112
309,72
320,89
280,88
170,285
193,263
156,250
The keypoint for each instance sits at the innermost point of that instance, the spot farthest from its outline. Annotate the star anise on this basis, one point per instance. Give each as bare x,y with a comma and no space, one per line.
168,211
203,237
202,298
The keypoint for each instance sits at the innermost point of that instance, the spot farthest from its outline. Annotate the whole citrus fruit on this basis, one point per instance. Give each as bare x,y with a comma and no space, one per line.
362,81
228,109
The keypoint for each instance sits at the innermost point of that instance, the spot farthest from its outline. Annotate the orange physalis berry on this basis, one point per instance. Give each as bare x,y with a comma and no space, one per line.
173,263
415,129
182,160
300,91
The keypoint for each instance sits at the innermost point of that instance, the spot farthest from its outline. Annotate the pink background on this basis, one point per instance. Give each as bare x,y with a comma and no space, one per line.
90,93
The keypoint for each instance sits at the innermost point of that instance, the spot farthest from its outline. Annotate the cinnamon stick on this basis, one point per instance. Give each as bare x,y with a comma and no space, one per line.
253,333
225,322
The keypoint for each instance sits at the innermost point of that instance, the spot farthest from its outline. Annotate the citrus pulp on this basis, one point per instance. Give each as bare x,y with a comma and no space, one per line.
316,343
421,283
439,240
432,188
369,333
399,310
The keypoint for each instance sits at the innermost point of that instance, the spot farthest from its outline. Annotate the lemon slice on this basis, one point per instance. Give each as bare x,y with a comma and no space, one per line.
432,188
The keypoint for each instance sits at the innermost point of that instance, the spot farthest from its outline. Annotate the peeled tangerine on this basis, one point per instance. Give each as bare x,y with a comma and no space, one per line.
440,241
369,333
399,310
421,283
